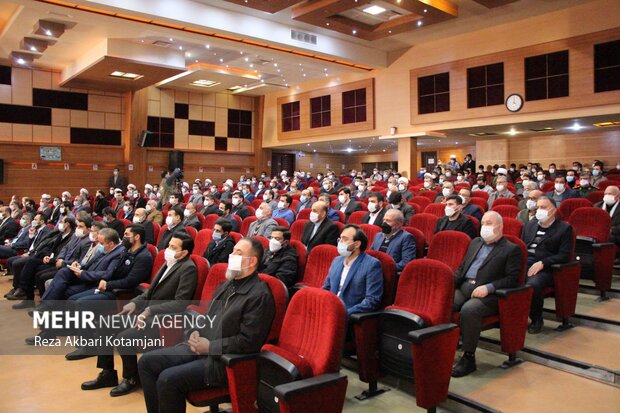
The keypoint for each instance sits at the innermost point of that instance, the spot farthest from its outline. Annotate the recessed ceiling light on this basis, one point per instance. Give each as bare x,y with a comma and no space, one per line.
34,49
374,10
251,65
241,52
314,150
576,126
327,24
171,39
275,65
349,150
354,31
425,10
188,54
180,47
21,61
221,60
204,83
126,75
246,59
419,23
207,46
512,132
48,32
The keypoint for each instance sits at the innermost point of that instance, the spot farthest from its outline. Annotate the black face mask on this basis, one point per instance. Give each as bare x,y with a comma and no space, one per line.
480,186
220,212
386,228
126,243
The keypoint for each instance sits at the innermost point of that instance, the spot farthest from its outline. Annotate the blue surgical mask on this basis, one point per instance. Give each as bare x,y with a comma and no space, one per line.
303,199
217,236
100,249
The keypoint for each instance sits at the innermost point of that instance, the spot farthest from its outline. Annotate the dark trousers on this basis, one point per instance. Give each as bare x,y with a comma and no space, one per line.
472,312
129,356
47,273
64,285
15,266
7,252
28,275
167,376
538,282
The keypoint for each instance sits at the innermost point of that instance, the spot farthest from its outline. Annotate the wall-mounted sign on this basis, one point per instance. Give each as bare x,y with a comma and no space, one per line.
66,166
95,167
34,165
130,167
50,153
150,168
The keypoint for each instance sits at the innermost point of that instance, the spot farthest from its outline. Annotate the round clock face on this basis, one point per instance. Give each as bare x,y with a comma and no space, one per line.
514,103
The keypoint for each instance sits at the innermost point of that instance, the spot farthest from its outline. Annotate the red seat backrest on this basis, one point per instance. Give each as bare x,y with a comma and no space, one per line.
569,205
504,201
192,232
236,236
282,222
513,226
420,243
297,229
153,250
480,203
426,288
357,217
422,201
210,220
161,232
202,241
425,223
430,195
201,218
157,264
245,224
449,247
371,231
125,222
257,201
263,241
480,194
521,244
302,256
548,186
506,211
388,267
216,276
591,222
439,210
203,271
279,293
595,196
156,230
304,213
318,264
340,225
313,331
474,221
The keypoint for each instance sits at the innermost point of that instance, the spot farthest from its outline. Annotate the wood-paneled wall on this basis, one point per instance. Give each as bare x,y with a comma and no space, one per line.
443,153
318,162
51,177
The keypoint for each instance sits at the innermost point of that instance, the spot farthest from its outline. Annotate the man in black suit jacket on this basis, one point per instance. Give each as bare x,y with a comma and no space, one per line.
116,181
174,221
346,204
376,208
169,293
611,205
320,229
222,244
491,263
454,220
549,241
8,227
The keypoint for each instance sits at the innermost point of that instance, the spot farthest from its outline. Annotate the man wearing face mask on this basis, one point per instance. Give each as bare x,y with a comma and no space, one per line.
175,199
109,217
242,309
332,214
481,185
583,188
264,223
154,215
549,242
280,260
454,220
398,244
260,190
100,203
8,227
319,229
491,263
119,201
238,206
571,178
174,222
362,191
447,189
57,203
44,207
227,190
597,175
346,204
305,201
529,211
355,277
222,244
210,204
402,188
611,204
224,212
190,217
21,241
116,181
501,191
140,218
560,192
376,209
396,201
170,292
468,207
196,197
528,186
128,210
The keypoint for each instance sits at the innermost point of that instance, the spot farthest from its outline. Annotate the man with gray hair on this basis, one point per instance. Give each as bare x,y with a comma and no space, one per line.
394,241
264,223
611,204
491,263
528,212
501,191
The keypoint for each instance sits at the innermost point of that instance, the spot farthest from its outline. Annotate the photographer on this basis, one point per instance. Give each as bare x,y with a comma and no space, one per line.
168,185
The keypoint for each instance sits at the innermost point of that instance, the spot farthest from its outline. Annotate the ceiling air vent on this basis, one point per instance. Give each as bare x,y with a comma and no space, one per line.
303,37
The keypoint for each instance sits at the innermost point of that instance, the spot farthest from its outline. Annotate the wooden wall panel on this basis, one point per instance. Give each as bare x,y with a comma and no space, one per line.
51,177
443,153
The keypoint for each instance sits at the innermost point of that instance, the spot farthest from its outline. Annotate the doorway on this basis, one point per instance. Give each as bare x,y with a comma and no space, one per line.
282,162
429,159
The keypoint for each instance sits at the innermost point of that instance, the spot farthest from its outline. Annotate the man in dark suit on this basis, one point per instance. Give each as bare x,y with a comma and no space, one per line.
8,227
116,181
222,244
238,206
20,242
346,204
305,201
169,293
280,260
398,244
210,204
361,289
611,204
561,192
376,209
173,220
468,207
397,202
139,217
109,217
454,220
320,229
491,263
242,309
469,163
44,207
549,241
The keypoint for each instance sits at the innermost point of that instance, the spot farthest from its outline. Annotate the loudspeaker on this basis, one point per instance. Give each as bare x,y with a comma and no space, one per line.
1,171
175,160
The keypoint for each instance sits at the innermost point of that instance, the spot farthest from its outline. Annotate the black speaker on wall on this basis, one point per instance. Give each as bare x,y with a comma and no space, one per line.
175,160
1,171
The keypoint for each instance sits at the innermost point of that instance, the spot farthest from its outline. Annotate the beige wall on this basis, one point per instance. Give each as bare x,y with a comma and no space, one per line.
317,162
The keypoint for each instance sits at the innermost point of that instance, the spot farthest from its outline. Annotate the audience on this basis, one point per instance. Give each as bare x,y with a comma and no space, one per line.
394,241
319,229
280,260
454,220
283,211
264,223
376,209
222,244
346,204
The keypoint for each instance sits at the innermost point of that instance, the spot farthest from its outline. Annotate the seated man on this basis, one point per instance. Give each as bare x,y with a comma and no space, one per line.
529,212
8,227
454,220
376,209
238,206
109,217
191,220
305,201
481,185
140,217
355,277
447,189
127,210
283,210
21,241
242,309
396,201
154,214
169,293
319,229
210,204
394,241
468,207
224,213
345,204
549,241
611,204
560,191
264,223
362,192
196,197
402,188
174,222
222,243
491,263
280,260
332,214
270,197
501,191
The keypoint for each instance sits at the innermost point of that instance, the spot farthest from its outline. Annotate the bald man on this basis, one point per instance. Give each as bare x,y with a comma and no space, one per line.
611,204
491,263
320,229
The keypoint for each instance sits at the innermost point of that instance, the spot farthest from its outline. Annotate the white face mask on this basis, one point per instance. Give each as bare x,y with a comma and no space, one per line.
137,220
234,266
551,170
265,197
448,174
61,226
92,237
542,215
236,201
609,199
259,213
274,245
80,233
584,182
169,256
487,233
446,192
559,188
570,178
343,249
531,204
281,205
540,177
148,208
169,221
56,203
427,184
459,178
401,187
500,188
449,211
314,217
341,199
372,206
186,213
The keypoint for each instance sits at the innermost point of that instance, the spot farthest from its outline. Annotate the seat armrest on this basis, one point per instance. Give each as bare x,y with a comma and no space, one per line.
282,363
583,238
601,245
142,288
230,360
406,315
357,318
505,292
557,267
285,391
418,336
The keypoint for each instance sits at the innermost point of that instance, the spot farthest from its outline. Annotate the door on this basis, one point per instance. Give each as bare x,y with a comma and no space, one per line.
429,160
282,162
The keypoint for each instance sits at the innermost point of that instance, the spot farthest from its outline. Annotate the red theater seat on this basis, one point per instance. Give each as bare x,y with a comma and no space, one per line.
297,229
449,247
506,211
357,217
317,267
439,210
203,238
512,226
504,201
425,223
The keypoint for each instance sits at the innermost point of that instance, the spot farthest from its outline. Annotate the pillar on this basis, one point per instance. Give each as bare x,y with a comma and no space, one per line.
408,156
